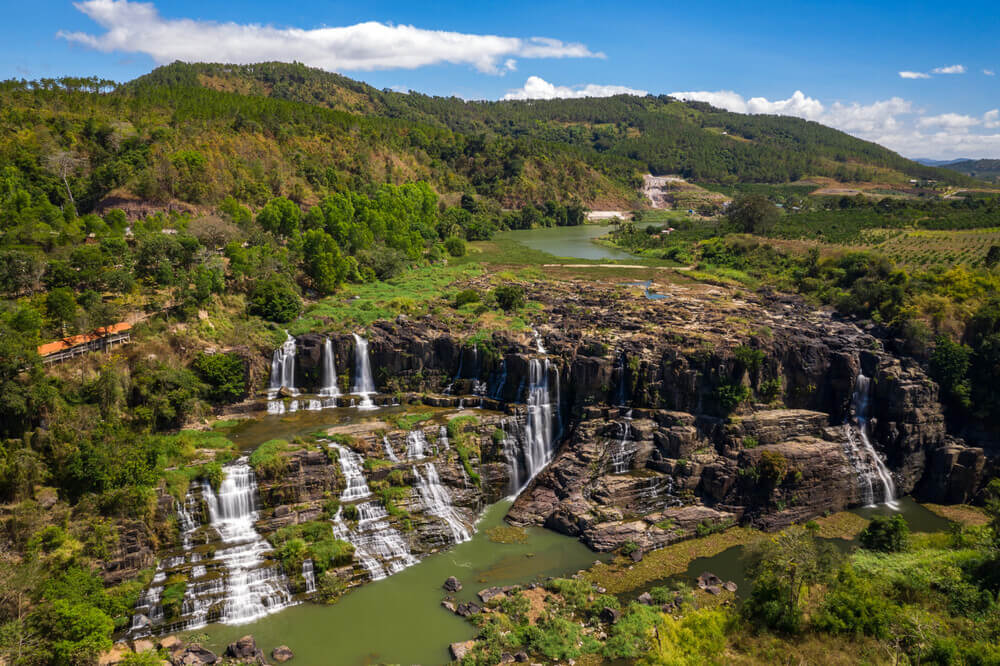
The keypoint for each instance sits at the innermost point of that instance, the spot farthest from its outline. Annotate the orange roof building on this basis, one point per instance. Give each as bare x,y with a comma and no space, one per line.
99,338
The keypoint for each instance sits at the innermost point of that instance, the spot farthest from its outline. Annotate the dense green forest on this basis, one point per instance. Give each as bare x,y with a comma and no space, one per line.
981,169
661,134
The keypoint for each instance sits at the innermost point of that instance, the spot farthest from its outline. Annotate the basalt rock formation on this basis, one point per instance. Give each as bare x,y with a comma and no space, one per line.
707,407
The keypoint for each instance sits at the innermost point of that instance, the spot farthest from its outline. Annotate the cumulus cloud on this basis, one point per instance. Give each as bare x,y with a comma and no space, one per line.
894,123
538,88
852,117
914,75
989,72
949,120
137,27
950,69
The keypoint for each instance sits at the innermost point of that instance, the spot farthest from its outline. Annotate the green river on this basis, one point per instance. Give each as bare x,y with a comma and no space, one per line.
400,619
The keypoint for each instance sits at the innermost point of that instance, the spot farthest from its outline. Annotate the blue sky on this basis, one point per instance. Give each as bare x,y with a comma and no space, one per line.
837,63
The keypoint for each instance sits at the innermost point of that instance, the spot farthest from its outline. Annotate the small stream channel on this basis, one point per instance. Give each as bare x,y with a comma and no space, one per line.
729,564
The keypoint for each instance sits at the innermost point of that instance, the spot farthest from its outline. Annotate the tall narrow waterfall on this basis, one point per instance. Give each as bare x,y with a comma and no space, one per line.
364,385
329,378
866,462
438,501
442,441
255,586
538,429
351,465
309,576
283,368
512,438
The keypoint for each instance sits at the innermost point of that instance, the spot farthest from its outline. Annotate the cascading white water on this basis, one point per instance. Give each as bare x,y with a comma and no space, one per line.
364,385
438,501
502,382
511,451
416,445
329,377
859,450
254,586
442,441
388,449
539,347
621,455
283,368
351,465
538,431
377,545
309,576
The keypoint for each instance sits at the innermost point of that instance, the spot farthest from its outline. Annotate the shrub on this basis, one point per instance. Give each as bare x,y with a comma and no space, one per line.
887,534
266,459
466,296
772,467
275,300
224,374
509,297
455,246
350,512
852,608
730,396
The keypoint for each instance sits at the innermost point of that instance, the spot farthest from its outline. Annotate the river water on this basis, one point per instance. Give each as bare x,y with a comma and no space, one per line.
400,619
571,242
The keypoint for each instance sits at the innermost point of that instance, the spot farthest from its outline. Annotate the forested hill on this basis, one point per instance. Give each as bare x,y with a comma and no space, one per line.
983,169
662,134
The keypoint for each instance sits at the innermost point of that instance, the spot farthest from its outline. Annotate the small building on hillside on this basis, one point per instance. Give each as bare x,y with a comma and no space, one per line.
97,340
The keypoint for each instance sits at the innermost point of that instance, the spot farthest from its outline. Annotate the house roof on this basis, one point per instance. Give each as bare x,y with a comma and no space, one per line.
77,340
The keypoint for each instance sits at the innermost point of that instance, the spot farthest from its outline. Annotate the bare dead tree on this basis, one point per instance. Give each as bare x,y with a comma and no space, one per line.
63,163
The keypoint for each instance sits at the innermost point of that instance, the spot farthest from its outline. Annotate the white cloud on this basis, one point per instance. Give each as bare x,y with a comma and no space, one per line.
949,121
950,69
723,99
137,27
849,117
989,72
914,75
892,122
538,88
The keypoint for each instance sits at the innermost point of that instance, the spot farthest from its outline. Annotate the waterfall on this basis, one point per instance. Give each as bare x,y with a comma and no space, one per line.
859,450
388,449
620,396
442,441
438,502
511,451
329,388
377,545
364,385
539,347
538,429
354,476
254,586
621,456
309,576
283,368
502,382
416,445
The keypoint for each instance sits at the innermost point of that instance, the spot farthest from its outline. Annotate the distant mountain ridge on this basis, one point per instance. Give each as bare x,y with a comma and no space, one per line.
658,133
986,169
187,136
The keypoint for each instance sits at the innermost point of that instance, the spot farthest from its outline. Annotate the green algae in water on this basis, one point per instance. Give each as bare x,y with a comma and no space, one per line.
400,619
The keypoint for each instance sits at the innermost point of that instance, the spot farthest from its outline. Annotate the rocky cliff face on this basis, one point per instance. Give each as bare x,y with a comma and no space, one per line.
740,406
